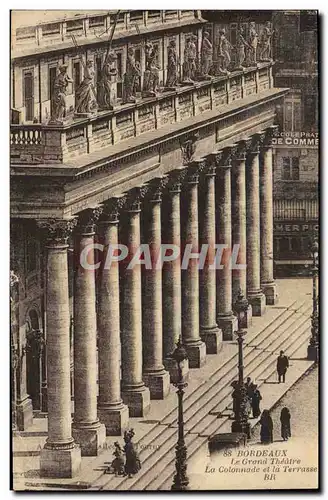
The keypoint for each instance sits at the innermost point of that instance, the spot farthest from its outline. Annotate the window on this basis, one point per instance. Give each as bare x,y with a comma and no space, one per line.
98,68
291,168
76,74
310,112
296,245
293,115
51,81
119,75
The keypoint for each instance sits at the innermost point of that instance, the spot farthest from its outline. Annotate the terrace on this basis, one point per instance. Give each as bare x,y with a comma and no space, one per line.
49,144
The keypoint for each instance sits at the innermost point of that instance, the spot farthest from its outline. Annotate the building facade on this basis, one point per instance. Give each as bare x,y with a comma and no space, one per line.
296,145
178,153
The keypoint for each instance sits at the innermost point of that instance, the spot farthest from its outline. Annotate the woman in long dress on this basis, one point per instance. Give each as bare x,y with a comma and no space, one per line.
117,465
85,100
266,427
285,423
132,462
256,398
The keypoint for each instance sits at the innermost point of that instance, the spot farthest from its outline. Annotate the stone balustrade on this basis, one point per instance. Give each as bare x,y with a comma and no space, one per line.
39,144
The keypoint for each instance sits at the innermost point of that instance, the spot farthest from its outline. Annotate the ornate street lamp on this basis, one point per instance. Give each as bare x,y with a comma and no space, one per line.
313,348
180,481
241,424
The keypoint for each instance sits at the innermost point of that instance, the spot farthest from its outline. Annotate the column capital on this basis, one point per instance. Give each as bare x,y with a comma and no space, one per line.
176,178
135,197
112,209
210,166
57,230
244,146
215,158
269,134
155,189
194,170
88,219
228,154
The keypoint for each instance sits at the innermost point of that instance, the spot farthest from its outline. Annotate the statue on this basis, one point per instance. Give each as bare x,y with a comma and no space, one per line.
253,41
172,66
106,92
85,99
241,45
151,77
266,36
224,52
206,55
61,82
190,55
130,77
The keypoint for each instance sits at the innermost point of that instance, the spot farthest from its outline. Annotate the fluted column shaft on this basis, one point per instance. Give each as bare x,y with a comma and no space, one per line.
239,223
190,274
87,430
134,394
266,187
60,457
254,293
225,318
112,411
155,377
210,333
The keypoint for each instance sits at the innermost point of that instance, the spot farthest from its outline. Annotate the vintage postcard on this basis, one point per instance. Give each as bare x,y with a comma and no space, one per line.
164,272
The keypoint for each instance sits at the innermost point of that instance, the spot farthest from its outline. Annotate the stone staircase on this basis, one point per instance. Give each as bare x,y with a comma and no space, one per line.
207,404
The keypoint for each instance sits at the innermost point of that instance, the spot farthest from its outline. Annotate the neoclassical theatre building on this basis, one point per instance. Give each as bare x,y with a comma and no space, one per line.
132,127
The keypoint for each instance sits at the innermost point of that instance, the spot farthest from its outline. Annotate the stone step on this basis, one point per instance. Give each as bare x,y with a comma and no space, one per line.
148,465
298,346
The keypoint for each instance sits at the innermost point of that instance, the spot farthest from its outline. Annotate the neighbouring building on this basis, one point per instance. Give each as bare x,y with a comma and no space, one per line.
157,131
296,145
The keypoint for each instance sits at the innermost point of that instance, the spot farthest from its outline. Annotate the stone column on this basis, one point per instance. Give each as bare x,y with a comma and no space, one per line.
154,375
134,392
209,330
195,347
172,274
254,293
268,284
60,457
87,430
238,185
225,317
112,412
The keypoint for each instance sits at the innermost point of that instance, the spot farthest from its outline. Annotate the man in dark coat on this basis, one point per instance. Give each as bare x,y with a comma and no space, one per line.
282,365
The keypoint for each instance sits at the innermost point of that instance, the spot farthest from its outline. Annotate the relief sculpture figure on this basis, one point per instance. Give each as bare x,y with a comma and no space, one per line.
59,95
206,55
85,101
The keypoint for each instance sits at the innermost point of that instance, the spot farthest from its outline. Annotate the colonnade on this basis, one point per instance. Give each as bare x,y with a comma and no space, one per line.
222,199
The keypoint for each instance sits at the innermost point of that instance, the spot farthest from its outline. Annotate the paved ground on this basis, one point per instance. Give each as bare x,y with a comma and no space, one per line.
300,452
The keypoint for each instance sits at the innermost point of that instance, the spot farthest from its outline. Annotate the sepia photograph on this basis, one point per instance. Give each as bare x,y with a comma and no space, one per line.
164,250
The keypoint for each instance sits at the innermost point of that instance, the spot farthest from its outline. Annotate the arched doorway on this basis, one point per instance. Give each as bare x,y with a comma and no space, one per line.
34,359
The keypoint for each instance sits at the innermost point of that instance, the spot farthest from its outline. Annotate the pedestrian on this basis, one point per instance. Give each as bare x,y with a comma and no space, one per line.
285,423
282,365
117,465
132,463
266,427
256,398
250,389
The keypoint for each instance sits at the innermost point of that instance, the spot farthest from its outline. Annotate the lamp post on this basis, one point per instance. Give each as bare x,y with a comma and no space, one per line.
240,423
180,481
313,348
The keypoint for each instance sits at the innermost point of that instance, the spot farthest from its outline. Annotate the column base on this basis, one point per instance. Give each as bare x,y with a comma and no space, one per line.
239,427
196,353
158,383
60,463
24,414
257,301
228,325
270,292
115,417
91,438
313,353
212,337
137,399
171,366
